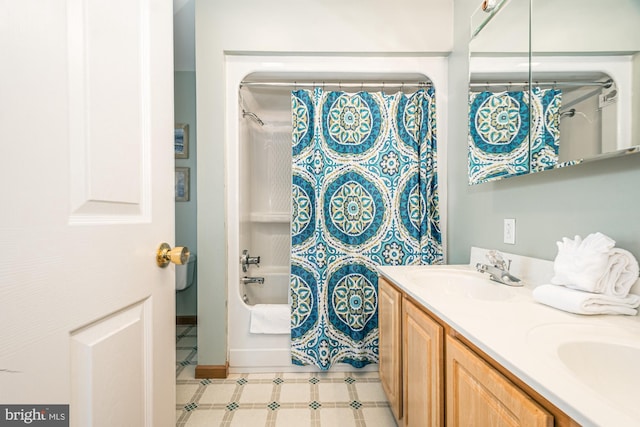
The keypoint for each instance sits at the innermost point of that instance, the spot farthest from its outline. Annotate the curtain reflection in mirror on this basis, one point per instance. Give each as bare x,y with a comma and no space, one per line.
499,143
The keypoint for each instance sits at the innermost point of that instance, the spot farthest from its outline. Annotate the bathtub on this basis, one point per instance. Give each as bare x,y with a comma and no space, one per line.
257,352
258,180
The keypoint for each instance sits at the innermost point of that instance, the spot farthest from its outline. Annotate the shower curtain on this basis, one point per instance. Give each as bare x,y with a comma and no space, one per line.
545,127
364,193
499,129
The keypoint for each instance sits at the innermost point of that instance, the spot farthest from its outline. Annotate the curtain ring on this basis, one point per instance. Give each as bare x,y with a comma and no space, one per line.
295,86
323,85
340,86
402,87
361,86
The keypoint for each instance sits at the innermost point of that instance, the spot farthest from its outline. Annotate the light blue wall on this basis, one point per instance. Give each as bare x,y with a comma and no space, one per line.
186,219
600,196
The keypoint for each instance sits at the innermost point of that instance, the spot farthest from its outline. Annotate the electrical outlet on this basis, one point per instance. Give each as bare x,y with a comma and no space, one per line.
510,231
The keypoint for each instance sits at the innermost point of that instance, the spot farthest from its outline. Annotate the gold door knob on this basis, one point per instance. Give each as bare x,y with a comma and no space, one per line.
165,255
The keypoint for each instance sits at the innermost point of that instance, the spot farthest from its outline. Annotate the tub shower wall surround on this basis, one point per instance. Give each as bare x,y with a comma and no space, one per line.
259,179
266,171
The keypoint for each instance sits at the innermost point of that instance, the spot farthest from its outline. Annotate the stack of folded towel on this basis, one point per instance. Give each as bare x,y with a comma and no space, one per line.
592,276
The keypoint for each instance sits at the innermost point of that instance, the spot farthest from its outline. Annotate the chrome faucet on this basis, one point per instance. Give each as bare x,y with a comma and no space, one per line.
249,280
498,269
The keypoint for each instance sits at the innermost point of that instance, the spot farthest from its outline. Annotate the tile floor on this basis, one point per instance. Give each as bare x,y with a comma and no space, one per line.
329,399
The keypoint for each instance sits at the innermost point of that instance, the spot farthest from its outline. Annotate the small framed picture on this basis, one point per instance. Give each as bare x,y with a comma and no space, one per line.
182,184
181,141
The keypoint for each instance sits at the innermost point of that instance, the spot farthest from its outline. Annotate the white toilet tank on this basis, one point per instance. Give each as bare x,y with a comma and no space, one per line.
185,273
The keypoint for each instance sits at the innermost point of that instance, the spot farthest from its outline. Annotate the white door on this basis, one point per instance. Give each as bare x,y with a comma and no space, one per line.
86,109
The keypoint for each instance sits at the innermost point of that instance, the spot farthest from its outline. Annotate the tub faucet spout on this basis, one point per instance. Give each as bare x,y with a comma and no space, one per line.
249,280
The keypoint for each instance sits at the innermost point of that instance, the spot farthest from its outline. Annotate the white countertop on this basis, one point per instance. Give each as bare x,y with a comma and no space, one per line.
517,332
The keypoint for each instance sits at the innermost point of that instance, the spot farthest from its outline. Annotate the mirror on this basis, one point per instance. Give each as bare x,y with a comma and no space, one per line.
555,93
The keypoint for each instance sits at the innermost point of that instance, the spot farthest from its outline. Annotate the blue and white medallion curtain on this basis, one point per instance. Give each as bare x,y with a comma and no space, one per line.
364,193
499,129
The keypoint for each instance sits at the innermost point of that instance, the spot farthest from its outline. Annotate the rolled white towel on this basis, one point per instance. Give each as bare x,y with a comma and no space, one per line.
579,302
620,275
581,263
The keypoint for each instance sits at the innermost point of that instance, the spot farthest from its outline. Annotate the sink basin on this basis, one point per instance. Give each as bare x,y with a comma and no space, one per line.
460,283
604,358
611,369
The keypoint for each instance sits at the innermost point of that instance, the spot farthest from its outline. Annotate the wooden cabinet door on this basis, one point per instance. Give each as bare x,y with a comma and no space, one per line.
390,344
478,395
423,364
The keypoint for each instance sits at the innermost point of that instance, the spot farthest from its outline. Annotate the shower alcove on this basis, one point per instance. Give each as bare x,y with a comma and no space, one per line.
258,180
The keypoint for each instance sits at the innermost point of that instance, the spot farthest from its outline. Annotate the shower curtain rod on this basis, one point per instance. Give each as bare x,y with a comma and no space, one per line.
607,83
350,85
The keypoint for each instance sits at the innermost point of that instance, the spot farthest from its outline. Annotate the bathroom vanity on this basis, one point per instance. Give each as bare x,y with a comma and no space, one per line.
457,349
